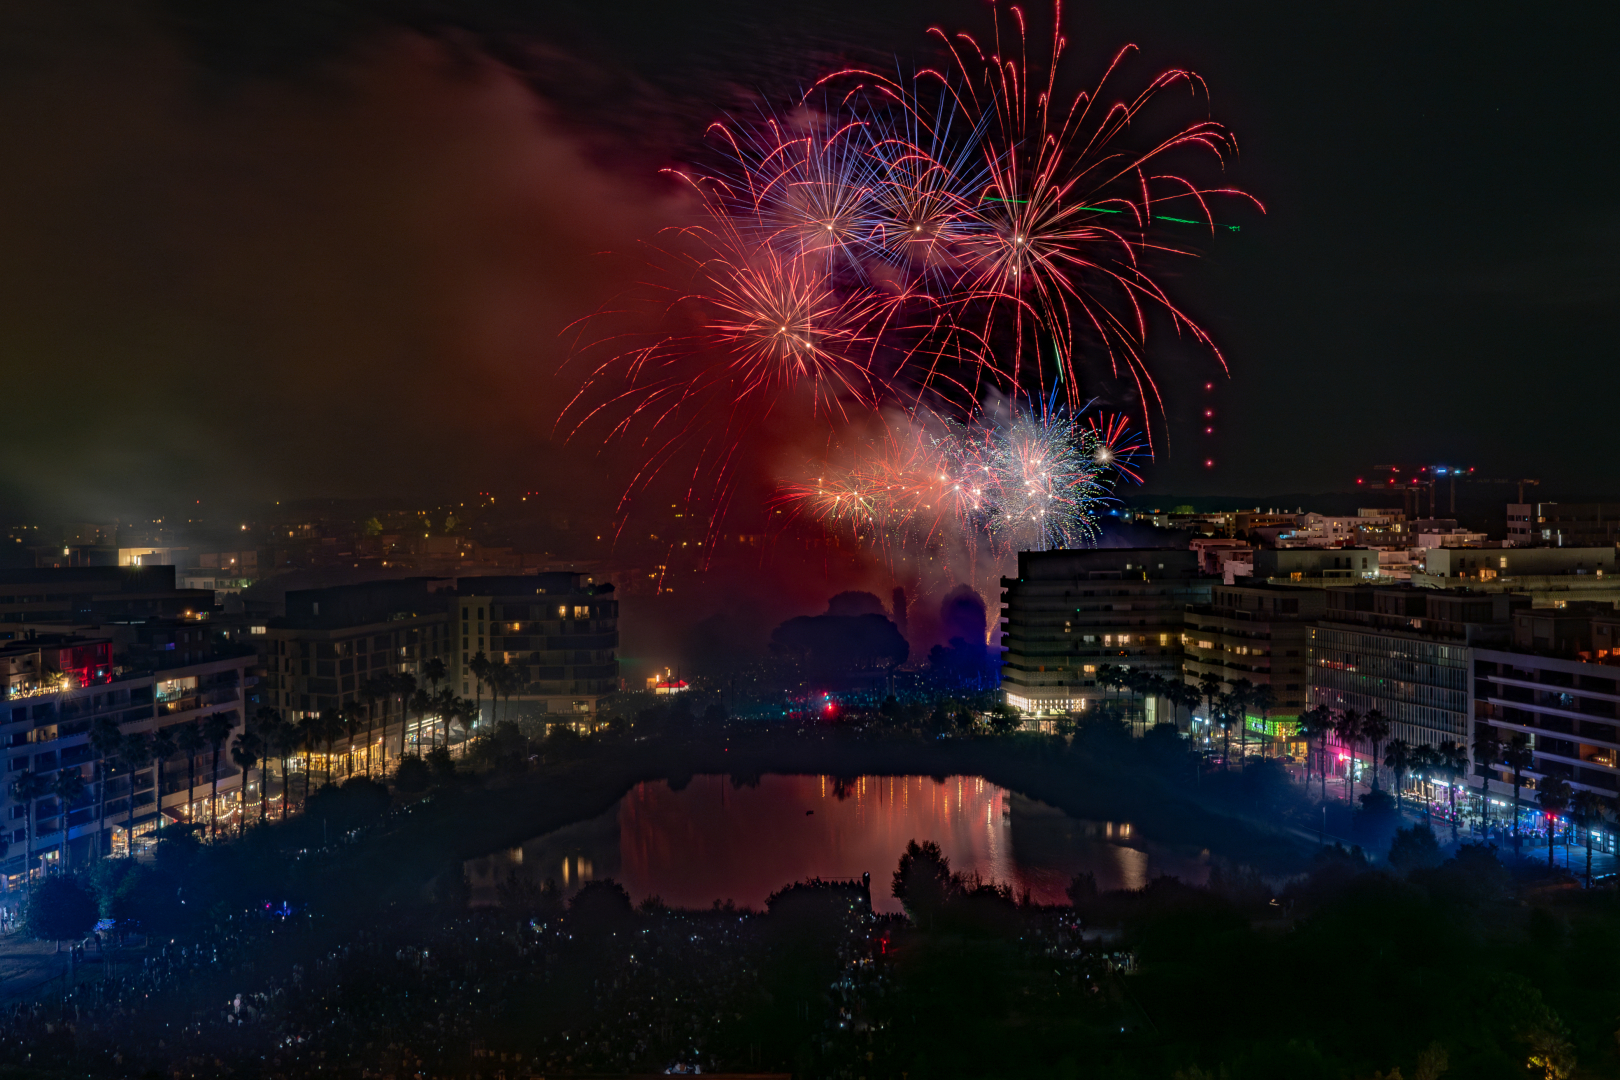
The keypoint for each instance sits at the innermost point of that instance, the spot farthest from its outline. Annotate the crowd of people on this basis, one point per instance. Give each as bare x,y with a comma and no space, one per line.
592,987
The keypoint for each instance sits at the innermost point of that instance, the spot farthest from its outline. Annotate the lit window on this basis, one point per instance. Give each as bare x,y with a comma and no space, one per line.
1108,640
581,611
1164,639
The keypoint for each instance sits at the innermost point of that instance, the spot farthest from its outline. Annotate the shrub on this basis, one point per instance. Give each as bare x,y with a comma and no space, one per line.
60,909
413,775
1414,848
442,764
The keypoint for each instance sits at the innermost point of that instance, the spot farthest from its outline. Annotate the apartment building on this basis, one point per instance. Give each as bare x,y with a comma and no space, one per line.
57,689
1406,652
1259,633
1561,689
558,634
1068,611
97,593
321,653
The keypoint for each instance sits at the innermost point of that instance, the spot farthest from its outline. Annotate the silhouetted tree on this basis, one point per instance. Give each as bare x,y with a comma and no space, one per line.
1398,759
1516,755
1554,795
1348,727
215,730
1487,753
1375,729
60,909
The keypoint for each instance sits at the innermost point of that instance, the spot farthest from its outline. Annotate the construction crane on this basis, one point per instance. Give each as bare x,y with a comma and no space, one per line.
1410,480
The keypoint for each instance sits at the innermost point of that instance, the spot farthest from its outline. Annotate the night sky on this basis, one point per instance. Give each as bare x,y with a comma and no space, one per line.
329,248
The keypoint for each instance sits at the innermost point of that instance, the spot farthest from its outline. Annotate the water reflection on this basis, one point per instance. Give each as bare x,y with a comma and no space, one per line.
715,840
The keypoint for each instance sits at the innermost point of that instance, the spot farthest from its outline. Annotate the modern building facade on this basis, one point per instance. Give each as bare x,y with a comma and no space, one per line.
321,654
1408,653
557,634
97,593
1564,524
1069,611
1568,709
1259,633
46,723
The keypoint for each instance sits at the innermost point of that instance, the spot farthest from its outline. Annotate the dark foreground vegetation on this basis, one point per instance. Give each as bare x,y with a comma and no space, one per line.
340,943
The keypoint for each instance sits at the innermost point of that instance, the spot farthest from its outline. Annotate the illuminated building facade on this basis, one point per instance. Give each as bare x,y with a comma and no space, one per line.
46,722
1258,633
331,641
1069,611
73,595
557,634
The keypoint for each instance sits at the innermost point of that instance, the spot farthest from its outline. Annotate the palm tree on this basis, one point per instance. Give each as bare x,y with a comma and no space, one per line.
215,729
1224,706
105,739
28,788
268,728
502,677
163,748
349,719
479,666
513,679
1588,805
1349,730
1317,723
1487,753
327,726
308,730
1104,677
1516,755
1264,698
1183,695
136,751
371,692
433,671
1242,698
68,787
245,752
1209,685
1398,759
286,740
1425,762
1554,794
1375,729
1454,763
449,708
492,676
470,715
404,685
421,704
190,741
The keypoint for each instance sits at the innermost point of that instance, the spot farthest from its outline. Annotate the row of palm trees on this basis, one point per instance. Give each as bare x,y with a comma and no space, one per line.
1449,761
1227,709
265,738
118,754
268,738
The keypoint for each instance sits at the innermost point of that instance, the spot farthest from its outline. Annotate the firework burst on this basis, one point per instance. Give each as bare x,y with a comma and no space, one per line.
1029,480
918,243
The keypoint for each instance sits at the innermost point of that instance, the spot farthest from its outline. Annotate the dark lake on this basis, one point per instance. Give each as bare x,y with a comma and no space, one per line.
713,840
